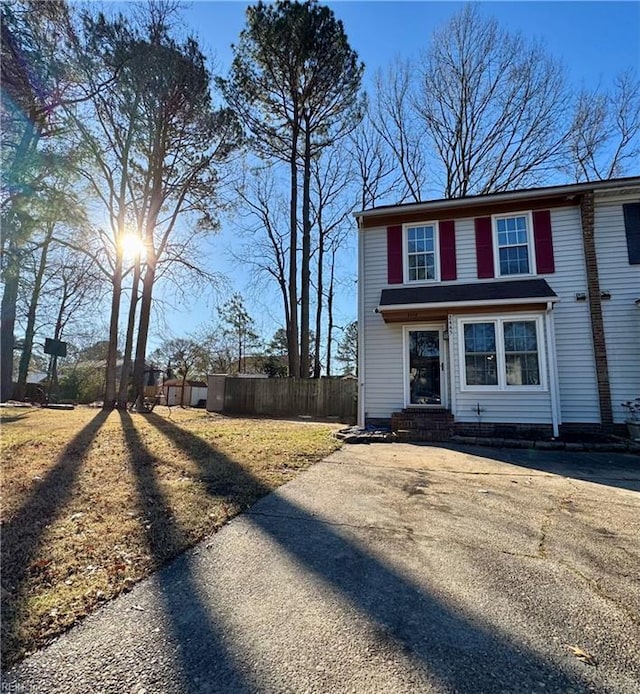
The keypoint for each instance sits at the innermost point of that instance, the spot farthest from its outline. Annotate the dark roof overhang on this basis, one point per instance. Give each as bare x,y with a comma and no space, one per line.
459,296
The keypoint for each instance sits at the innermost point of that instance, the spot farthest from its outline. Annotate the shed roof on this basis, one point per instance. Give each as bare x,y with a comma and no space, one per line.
473,294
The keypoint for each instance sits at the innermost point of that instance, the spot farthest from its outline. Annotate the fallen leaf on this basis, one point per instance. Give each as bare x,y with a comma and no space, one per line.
582,655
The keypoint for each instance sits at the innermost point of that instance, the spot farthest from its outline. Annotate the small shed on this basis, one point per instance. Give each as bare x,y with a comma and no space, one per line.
195,392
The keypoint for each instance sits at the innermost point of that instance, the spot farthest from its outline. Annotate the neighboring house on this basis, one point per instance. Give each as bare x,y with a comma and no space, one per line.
194,392
497,313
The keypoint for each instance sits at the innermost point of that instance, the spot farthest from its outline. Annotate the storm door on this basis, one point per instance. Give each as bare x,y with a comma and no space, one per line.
424,367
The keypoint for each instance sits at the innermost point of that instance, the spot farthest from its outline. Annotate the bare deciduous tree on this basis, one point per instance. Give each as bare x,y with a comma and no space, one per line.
396,121
493,105
373,163
605,133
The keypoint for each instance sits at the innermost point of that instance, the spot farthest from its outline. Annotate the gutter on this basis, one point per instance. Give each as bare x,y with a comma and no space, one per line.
553,370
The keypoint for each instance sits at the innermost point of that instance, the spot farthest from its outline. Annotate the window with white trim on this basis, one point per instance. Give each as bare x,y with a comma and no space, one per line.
501,353
480,355
421,253
522,366
512,235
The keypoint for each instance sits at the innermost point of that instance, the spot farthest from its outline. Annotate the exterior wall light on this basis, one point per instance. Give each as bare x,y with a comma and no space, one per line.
581,296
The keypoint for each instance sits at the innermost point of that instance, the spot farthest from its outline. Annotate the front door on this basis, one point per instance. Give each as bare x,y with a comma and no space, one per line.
424,367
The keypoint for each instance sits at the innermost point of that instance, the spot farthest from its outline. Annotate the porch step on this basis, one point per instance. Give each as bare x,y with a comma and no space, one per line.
422,425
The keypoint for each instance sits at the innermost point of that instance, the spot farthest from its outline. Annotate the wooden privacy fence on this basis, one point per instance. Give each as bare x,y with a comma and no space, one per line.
284,397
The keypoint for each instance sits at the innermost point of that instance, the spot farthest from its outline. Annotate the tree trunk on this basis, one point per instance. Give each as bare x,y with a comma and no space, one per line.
11,278
57,334
305,274
112,350
143,332
330,310
29,332
316,356
184,385
292,326
11,275
123,392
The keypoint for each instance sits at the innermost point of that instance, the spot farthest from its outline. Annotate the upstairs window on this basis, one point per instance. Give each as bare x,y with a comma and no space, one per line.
513,245
421,253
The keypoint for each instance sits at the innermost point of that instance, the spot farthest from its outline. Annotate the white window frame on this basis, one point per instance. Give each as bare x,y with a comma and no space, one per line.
499,320
444,371
530,243
405,251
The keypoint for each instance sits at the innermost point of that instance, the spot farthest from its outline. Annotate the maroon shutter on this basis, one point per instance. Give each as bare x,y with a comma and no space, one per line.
448,250
543,241
484,247
394,255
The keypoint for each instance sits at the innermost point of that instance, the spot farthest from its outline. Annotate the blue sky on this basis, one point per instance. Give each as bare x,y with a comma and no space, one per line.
594,40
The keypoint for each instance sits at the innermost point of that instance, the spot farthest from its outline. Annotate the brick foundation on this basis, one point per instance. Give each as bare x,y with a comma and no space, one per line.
504,431
422,425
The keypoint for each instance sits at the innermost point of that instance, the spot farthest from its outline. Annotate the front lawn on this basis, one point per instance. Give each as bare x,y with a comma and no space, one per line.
93,502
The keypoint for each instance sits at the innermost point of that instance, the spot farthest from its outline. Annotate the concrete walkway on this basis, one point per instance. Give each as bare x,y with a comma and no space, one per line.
388,568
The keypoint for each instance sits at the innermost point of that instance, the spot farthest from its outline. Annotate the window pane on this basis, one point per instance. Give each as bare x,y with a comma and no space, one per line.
480,337
522,370
521,353
480,354
481,370
514,260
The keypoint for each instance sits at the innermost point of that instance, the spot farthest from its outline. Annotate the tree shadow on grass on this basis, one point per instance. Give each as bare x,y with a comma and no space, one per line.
198,638
465,654
10,418
23,533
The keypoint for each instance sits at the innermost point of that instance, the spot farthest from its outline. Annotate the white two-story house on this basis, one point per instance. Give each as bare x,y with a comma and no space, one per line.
497,313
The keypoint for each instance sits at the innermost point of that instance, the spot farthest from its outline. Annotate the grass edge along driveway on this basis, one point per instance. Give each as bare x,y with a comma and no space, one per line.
93,502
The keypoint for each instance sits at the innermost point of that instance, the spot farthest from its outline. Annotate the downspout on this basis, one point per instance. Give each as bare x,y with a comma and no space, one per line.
361,325
553,369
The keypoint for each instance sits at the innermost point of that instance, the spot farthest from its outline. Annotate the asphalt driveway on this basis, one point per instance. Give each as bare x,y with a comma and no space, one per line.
388,568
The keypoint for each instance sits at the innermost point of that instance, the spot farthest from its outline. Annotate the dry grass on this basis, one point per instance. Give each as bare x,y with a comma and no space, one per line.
93,503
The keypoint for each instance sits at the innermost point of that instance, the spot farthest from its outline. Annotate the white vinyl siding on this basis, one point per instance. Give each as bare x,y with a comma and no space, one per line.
466,250
383,352
577,379
620,315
